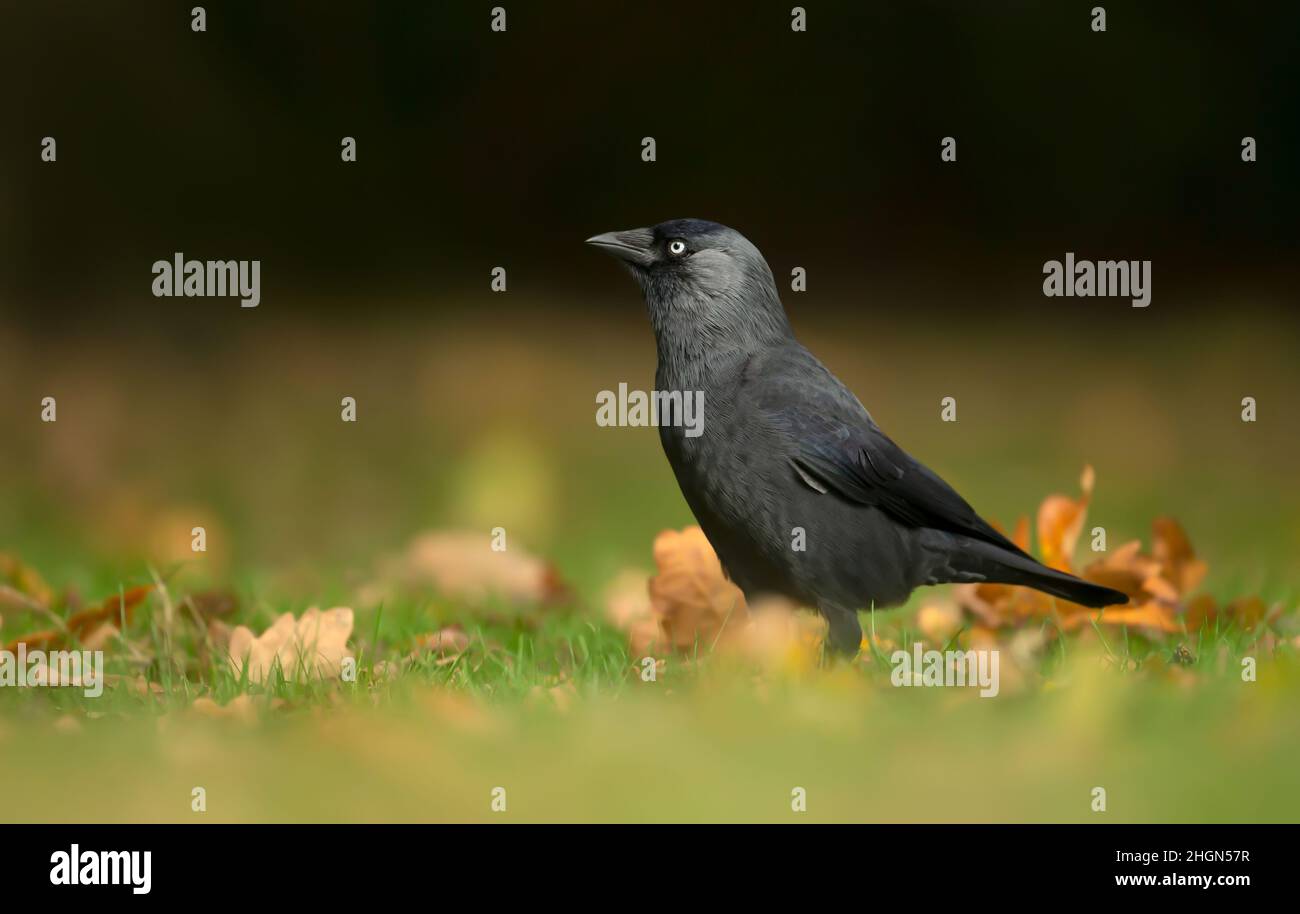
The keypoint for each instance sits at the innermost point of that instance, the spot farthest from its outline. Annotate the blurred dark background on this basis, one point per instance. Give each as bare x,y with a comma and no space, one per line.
479,149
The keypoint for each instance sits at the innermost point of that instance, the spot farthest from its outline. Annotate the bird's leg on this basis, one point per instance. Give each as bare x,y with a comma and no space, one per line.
845,634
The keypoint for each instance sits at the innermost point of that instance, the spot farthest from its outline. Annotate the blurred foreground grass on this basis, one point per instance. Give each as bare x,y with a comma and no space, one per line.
1202,752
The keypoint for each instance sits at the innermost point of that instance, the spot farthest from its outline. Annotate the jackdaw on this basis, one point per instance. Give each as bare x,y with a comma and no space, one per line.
785,445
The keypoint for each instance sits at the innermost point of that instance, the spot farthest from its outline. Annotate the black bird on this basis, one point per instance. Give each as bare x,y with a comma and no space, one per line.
785,445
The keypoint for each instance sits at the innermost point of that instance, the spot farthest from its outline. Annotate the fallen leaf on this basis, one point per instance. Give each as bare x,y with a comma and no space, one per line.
210,604
1153,614
1125,569
1060,520
12,598
627,606
313,646
100,637
1158,585
692,599
449,640
1178,563
627,598
25,580
462,565
82,623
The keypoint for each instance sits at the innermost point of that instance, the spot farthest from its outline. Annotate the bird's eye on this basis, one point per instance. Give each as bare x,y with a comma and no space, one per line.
677,247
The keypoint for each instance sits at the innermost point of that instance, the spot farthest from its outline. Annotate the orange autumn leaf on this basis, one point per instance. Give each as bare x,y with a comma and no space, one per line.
1158,585
109,610
1060,521
996,605
1125,569
1178,562
1021,535
1152,614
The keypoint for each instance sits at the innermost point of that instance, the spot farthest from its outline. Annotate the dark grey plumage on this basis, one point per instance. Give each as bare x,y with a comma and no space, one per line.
786,445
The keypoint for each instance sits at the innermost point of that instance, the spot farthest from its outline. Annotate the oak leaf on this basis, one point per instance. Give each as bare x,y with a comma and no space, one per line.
692,599
313,646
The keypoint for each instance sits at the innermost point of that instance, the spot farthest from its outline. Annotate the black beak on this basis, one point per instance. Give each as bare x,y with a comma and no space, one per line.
634,245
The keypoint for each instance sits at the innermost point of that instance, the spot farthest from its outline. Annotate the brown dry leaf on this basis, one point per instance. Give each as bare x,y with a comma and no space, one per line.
692,599
216,646
996,605
1060,521
82,623
1178,563
627,598
12,598
219,634
1158,585
313,646
627,606
46,638
100,637
1125,569
1001,605
25,580
462,565
449,640
1153,614
210,604
1021,535
111,610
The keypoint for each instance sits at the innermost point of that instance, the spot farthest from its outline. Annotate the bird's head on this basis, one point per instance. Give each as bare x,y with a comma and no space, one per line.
700,277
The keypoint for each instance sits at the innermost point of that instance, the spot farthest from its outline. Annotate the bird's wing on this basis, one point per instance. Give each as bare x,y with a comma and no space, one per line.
834,441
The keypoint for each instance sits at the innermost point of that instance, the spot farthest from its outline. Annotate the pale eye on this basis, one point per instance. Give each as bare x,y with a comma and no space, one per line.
677,247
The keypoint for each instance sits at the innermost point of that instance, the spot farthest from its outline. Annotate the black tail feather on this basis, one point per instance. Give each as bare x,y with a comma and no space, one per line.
1000,566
